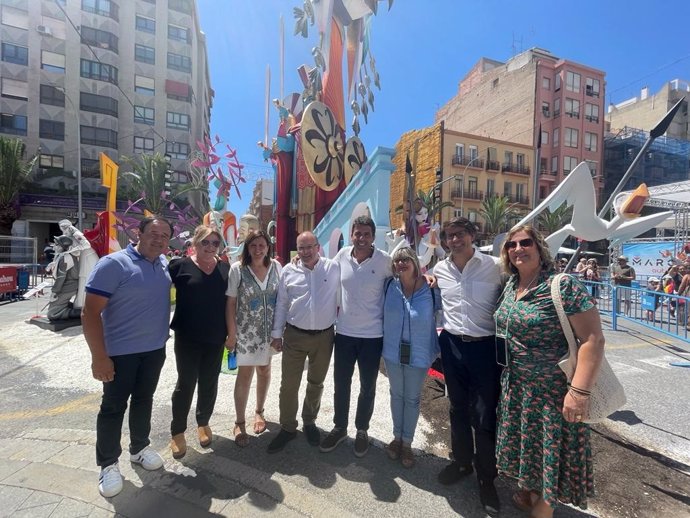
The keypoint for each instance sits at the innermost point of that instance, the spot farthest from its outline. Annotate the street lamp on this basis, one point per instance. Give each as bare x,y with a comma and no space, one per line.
79,192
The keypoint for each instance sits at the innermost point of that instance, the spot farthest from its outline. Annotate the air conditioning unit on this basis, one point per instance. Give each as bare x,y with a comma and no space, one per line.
45,30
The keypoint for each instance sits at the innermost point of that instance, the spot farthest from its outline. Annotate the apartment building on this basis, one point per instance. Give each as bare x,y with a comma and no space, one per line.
80,77
262,202
538,100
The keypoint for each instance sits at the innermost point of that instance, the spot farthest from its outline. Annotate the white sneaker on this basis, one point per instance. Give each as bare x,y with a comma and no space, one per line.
148,458
110,481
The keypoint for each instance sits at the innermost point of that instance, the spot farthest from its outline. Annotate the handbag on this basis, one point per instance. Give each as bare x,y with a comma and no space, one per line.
607,393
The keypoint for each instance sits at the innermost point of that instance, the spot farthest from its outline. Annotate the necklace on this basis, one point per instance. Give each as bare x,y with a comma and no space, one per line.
519,292
206,268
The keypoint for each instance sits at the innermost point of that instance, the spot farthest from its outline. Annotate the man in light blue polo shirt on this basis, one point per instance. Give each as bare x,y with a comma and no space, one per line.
126,319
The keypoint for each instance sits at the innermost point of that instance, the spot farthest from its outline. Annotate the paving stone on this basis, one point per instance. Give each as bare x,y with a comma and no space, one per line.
69,508
77,483
8,467
35,511
80,456
38,498
11,498
37,451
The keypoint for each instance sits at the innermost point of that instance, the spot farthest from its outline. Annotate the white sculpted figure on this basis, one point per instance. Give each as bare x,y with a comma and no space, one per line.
81,250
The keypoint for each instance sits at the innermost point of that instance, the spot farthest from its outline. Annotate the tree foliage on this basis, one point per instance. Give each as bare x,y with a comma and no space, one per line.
15,172
551,222
498,214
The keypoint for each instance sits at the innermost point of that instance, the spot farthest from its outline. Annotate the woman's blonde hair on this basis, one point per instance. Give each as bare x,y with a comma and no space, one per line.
545,260
202,232
403,253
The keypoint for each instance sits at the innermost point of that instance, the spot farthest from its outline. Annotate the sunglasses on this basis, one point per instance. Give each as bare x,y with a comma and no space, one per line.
214,244
402,260
524,243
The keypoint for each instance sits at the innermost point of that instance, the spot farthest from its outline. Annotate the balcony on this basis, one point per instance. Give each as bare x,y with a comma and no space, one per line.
461,160
573,115
545,174
469,194
589,91
493,165
511,167
514,198
592,118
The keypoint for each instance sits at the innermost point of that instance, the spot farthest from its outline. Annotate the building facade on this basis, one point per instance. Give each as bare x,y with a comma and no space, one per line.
81,77
538,100
645,111
262,202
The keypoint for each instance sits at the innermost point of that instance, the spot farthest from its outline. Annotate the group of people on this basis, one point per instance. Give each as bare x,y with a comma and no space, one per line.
511,409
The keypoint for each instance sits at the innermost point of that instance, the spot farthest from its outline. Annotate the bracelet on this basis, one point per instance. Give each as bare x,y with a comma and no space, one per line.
580,391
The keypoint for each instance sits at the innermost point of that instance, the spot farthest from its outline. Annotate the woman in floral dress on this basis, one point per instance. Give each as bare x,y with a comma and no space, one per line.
541,439
252,289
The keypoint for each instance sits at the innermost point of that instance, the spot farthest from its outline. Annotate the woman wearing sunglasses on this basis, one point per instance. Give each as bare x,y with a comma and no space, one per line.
541,439
410,345
251,301
200,331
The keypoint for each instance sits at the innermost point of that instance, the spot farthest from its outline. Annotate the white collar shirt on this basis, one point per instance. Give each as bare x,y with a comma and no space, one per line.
307,299
469,297
361,293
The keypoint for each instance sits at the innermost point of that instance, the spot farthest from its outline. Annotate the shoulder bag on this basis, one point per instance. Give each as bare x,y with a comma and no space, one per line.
607,393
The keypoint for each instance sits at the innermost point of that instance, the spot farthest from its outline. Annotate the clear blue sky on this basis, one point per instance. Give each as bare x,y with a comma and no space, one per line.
424,48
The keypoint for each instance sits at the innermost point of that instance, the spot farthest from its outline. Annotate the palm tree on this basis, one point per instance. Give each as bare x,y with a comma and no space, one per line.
498,213
148,180
551,222
15,172
433,204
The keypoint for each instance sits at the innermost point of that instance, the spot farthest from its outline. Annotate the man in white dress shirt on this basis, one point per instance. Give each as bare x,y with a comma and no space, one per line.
470,284
359,337
305,312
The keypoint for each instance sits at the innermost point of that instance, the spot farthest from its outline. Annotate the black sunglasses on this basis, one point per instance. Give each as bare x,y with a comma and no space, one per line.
524,243
214,244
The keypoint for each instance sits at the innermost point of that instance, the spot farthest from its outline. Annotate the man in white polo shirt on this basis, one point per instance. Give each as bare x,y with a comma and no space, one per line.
359,332
470,285
306,309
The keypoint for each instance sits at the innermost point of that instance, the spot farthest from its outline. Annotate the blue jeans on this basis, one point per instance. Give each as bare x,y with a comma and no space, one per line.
366,353
406,389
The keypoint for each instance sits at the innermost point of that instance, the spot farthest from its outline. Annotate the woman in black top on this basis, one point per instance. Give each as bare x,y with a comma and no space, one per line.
200,333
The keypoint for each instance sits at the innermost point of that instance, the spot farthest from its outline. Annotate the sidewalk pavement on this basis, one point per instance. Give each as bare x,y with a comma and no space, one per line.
47,465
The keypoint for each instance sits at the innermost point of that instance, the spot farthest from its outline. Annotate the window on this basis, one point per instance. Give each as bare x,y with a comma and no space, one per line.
556,137
102,7
15,89
590,141
14,124
53,62
178,121
570,137
98,136
508,157
554,164
144,54
52,161
572,108
474,152
520,190
90,168
143,145
546,83
569,163
508,189
178,91
15,17
53,96
543,165
472,215
545,109
178,150
177,33
145,24
98,104
556,107
54,28
592,112
544,137
144,115
592,167
490,187
457,213
592,87
15,54
459,150
557,80
99,38
100,71
179,62
520,160
54,130
572,82
183,6
472,185
144,85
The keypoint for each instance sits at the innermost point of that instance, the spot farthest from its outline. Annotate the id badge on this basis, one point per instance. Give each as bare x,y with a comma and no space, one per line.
501,350
405,351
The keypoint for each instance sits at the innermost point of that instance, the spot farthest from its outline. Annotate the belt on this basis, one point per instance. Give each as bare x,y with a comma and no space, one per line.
468,338
309,331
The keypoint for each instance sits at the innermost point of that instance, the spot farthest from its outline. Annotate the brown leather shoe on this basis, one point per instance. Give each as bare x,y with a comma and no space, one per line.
205,436
178,446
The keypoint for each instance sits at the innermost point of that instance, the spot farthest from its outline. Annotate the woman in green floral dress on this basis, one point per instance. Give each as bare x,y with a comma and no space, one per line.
541,439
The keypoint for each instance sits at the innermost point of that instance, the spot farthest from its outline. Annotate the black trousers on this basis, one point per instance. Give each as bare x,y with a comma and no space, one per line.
136,376
473,382
366,353
197,364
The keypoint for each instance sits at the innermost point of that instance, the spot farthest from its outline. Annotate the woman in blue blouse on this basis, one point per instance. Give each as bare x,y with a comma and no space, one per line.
410,345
